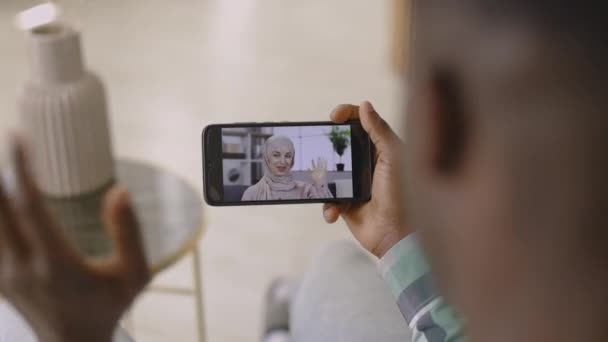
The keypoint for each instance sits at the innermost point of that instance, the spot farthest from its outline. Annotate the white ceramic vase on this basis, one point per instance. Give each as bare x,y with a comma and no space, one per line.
64,115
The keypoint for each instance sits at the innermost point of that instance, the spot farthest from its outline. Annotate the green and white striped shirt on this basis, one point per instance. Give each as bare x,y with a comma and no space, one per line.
407,272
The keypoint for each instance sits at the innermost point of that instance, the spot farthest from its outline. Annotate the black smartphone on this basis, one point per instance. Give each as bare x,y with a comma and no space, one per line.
286,163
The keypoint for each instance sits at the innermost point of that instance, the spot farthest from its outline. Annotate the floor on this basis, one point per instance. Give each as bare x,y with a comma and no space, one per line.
172,67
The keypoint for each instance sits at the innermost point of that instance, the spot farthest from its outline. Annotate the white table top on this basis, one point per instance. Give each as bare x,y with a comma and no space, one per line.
169,211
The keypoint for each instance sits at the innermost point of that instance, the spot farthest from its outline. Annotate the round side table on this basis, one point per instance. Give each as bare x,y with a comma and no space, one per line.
169,211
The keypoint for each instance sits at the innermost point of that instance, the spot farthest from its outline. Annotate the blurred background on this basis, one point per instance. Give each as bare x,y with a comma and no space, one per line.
173,67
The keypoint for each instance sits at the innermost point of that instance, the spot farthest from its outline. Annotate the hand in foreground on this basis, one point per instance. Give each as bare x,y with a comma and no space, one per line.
64,296
319,172
378,224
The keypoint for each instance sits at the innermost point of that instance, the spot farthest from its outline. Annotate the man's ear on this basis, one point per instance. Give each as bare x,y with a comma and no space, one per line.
448,121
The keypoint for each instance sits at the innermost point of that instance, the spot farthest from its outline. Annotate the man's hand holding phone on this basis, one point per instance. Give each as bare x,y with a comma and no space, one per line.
380,223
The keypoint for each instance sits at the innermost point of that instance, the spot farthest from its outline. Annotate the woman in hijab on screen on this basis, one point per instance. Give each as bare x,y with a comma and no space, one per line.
278,184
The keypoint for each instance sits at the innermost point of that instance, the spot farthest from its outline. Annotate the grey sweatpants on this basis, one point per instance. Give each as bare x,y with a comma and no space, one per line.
342,298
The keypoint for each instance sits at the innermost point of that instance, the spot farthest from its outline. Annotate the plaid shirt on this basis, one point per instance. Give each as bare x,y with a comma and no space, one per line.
408,275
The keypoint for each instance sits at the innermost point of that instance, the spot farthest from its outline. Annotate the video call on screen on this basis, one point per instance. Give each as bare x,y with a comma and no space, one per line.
287,163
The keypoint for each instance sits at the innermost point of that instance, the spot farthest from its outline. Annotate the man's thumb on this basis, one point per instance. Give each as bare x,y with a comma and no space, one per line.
376,127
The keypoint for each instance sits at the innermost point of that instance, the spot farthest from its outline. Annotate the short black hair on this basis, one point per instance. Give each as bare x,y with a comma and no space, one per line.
585,20
584,23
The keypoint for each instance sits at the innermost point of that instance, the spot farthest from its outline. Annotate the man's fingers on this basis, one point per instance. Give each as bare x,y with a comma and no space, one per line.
331,212
37,222
122,225
11,236
344,112
24,174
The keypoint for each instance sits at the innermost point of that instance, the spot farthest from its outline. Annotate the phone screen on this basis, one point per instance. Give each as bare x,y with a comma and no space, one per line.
286,163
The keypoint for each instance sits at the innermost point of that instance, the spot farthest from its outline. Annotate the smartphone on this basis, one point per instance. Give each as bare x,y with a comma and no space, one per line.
286,163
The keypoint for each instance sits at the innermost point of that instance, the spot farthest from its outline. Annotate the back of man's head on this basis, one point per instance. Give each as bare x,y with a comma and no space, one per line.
507,158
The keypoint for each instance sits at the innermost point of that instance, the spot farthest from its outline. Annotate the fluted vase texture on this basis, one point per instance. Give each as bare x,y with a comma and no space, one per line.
64,115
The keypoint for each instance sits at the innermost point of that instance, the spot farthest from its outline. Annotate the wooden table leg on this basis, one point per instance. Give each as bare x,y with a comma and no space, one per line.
198,295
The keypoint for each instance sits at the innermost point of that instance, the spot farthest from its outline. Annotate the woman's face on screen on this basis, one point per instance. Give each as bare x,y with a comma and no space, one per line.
280,160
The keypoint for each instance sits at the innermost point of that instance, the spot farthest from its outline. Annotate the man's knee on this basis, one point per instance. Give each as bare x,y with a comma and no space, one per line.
341,254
